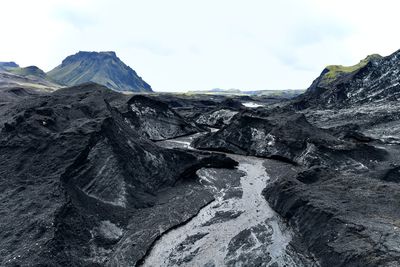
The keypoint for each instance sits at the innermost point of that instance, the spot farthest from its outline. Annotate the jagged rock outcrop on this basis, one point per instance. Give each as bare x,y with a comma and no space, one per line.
79,186
216,118
220,115
155,120
104,68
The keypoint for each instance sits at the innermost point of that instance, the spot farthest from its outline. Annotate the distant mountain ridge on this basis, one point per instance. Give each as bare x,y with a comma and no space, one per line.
104,68
5,65
288,93
30,70
13,76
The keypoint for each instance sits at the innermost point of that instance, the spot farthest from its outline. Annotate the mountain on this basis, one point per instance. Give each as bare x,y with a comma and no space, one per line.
373,79
104,68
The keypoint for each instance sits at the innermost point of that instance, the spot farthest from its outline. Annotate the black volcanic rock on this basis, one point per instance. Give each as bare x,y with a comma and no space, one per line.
155,120
104,68
79,186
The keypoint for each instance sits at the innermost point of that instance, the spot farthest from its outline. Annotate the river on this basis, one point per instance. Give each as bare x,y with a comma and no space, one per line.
238,228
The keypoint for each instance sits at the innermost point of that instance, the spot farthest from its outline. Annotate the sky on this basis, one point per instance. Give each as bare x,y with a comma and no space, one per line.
181,45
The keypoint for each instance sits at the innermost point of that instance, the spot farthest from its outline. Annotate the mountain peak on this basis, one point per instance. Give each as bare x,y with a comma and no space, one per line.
104,68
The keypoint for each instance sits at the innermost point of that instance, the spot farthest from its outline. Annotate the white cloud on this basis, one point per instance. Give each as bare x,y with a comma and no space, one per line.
191,44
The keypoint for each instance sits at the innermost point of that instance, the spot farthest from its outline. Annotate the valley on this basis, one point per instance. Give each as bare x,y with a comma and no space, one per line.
91,176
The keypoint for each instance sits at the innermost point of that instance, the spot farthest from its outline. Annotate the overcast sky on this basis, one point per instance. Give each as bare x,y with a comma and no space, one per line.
180,45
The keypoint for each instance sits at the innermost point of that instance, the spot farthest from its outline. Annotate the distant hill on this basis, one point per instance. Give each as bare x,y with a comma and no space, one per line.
288,93
104,68
5,65
31,77
30,70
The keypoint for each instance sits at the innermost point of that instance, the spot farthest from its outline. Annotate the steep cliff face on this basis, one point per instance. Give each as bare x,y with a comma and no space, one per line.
79,186
104,68
374,79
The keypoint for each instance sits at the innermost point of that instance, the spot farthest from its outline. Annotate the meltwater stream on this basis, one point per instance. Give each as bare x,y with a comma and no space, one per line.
237,229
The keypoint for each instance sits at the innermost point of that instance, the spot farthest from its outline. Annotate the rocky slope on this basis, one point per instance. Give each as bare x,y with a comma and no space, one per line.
80,187
104,68
374,79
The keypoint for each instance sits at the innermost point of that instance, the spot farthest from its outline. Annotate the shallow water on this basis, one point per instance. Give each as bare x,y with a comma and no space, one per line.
251,105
